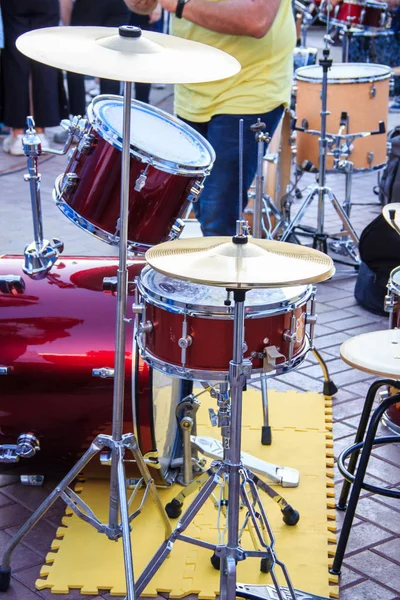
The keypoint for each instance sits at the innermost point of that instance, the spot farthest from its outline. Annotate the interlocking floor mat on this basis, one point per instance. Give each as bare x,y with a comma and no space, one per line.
83,559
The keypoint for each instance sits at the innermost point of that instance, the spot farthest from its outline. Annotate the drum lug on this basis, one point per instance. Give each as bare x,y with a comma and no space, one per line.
12,284
141,180
145,328
110,285
176,229
311,318
103,373
372,91
26,447
195,191
370,158
185,341
86,144
70,182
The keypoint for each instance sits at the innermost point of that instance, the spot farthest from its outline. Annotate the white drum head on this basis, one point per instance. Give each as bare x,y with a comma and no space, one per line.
154,133
345,73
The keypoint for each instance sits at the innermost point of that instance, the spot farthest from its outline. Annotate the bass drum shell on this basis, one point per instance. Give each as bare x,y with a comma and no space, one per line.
361,90
52,336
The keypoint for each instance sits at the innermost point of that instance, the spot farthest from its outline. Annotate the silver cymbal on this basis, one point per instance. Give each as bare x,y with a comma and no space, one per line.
258,263
103,52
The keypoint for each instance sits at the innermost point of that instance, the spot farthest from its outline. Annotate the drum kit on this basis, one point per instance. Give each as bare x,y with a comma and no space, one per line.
211,309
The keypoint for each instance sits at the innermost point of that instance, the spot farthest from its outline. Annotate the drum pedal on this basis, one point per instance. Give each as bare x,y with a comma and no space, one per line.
284,476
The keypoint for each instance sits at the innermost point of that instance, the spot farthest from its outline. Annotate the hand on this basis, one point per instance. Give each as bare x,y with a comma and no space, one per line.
156,14
169,5
141,7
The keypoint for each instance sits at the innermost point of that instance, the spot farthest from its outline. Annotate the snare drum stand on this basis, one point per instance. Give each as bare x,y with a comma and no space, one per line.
118,443
321,190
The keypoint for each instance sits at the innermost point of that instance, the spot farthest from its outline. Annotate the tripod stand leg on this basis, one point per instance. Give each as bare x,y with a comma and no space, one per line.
174,507
149,482
329,388
5,571
266,435
300,214
343,217
126,536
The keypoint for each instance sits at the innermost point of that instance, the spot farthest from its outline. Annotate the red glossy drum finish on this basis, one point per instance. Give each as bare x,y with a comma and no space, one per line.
212,345
374,15
52,336
349,13
95,194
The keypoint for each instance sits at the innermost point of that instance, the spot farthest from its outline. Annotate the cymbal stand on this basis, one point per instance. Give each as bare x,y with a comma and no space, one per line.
321,190
118,443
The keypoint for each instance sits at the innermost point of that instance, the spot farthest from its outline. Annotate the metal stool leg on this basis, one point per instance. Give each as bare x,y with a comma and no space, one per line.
369,400
359,478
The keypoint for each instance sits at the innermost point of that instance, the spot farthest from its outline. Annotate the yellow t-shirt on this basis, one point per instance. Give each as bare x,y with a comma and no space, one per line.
264,81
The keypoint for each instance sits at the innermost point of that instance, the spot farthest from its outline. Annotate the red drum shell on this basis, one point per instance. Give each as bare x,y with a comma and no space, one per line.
52,336
96,195
349,13
374,15
393,416
212,346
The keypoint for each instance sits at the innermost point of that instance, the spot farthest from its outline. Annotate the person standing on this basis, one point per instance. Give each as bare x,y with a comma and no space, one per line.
26,83
261,35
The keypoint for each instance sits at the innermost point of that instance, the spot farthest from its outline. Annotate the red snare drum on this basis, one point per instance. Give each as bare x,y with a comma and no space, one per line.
374,15
187,331
53,334
169,161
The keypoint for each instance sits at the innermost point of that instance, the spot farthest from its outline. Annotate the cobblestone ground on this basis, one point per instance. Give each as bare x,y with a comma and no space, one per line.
372,563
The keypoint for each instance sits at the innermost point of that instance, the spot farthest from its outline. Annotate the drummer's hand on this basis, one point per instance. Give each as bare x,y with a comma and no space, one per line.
142,7
156,14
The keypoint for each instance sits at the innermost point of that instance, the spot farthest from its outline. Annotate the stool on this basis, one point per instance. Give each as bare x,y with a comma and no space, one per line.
378,353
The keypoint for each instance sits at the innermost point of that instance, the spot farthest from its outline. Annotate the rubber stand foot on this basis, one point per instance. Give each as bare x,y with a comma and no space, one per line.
329,388
266,435
5,578
290,516
333,572
216,561
266,564
342,507
174,508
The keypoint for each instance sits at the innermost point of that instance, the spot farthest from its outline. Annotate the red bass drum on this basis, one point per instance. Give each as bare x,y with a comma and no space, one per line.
55,334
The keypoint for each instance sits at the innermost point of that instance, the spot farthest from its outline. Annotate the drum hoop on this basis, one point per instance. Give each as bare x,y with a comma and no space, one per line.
162,164
370,79
205,311
392,285
204,375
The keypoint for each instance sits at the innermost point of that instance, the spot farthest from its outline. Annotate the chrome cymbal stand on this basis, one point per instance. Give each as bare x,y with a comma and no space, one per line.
118,443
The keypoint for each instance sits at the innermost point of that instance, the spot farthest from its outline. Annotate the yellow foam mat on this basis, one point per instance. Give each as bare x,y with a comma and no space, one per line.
83,559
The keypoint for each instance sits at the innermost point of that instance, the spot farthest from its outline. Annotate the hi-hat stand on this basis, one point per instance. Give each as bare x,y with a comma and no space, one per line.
119,444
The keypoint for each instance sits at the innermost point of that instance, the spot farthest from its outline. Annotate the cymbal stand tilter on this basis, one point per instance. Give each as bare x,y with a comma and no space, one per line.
320,189
118,443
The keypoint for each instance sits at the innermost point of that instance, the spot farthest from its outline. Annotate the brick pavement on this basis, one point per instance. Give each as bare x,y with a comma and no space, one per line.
372,564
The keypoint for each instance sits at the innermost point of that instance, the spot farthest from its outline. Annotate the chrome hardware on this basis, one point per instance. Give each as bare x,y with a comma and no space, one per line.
145,327
105,458
11,284
271,355
311,318
384,394
26,447
389,305
70,182
213,417
186,425
5,370
372,91
86,144
40,259
245,347
137,309
32,480
141,180
185,341
103,373
370,158
195,191
176,229
110,285
291,336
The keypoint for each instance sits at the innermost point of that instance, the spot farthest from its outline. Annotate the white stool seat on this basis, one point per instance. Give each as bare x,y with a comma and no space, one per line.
377,352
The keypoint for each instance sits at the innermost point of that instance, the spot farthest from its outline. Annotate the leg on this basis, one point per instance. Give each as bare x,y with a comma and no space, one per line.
217,209
362,426
358,481
266,436
126,533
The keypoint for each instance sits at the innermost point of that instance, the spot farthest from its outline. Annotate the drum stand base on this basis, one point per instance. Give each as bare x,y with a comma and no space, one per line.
83,511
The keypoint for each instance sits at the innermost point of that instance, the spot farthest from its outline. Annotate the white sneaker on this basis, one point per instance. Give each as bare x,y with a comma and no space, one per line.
13,145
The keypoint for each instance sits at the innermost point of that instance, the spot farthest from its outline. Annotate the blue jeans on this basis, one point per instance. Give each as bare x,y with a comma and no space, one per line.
218,206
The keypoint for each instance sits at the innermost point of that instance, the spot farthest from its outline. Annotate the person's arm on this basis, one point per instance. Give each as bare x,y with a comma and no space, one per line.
65,11
142,7
236,17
